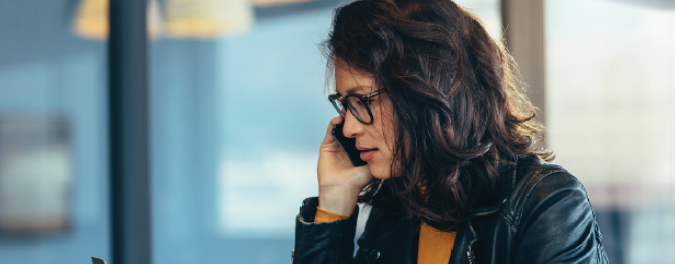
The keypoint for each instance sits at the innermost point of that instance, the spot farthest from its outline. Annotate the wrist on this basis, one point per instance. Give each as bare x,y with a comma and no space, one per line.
338,200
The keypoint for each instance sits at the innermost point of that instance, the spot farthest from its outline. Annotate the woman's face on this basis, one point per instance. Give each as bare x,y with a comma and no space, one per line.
375,140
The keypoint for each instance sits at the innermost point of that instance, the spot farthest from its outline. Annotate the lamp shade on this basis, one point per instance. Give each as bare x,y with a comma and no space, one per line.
207,18
91,21
267,3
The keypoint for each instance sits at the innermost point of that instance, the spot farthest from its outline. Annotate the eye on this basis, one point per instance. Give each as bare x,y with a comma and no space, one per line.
363,104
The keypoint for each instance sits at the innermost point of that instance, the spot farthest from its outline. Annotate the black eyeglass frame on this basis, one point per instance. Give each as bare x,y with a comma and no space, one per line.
334,98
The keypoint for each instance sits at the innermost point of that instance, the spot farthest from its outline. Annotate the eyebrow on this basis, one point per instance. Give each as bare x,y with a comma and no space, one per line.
352,89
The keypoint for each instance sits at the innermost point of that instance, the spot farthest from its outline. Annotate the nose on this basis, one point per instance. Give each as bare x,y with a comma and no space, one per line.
352,127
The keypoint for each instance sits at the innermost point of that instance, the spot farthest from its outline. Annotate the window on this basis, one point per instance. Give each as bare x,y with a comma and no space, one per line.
53,137
611,118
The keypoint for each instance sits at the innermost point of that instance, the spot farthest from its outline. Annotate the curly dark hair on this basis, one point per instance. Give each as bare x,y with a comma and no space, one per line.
458,100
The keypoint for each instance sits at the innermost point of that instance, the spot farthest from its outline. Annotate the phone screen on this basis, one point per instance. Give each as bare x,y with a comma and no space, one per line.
348,145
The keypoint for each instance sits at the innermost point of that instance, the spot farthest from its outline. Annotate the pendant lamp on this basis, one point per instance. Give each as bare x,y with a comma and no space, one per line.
207,18
267,3
91,21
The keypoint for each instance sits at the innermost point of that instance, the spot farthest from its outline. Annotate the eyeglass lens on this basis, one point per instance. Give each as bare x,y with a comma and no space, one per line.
359,109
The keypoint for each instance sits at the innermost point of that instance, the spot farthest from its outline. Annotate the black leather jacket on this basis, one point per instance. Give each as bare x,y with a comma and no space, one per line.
543,216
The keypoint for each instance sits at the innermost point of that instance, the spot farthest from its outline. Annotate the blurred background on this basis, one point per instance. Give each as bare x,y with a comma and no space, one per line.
237,110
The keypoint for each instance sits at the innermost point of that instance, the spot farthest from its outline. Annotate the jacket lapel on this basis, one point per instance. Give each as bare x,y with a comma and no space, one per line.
398,245
466,236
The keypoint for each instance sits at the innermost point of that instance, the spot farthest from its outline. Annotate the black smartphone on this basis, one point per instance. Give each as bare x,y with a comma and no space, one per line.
348,145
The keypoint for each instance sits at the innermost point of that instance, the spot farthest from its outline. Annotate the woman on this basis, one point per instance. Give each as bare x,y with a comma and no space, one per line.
456,171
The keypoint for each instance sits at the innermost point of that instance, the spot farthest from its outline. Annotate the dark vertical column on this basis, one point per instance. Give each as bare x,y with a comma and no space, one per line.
525,39
129,133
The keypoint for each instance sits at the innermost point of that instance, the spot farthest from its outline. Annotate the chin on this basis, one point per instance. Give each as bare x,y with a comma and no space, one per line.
379,171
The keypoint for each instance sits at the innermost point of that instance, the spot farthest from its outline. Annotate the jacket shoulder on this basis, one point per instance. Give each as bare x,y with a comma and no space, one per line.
551,216
535,183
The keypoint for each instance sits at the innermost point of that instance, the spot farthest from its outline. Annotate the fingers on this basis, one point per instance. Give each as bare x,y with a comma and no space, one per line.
335,121
329,132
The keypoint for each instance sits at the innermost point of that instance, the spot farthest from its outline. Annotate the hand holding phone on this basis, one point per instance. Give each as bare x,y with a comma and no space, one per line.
340,182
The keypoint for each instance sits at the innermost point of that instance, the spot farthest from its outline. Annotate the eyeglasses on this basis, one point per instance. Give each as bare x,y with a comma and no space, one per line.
357,105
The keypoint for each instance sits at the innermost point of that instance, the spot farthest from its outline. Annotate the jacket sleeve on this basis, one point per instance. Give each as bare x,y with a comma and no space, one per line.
557,224
325,243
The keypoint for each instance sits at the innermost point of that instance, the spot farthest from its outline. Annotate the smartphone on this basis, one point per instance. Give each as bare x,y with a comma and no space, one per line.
97,260
348,145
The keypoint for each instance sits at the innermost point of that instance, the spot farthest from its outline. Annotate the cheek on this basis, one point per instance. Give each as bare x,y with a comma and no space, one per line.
386,131
380,170
382,129
381,167
381,134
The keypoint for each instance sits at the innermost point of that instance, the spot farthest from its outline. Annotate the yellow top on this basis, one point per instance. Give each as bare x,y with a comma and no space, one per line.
434,245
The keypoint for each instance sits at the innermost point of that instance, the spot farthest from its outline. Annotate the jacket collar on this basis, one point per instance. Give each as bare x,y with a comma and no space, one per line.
506,169
407,227
466,236
507,177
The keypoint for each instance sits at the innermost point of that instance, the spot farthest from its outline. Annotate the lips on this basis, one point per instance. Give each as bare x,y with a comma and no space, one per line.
367,154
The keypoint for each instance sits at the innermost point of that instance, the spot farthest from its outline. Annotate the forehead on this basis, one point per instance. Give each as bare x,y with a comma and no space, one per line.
350,80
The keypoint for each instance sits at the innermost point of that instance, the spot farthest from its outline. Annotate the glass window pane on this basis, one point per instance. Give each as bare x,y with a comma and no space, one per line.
237,124
610,94
53,135
488,11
